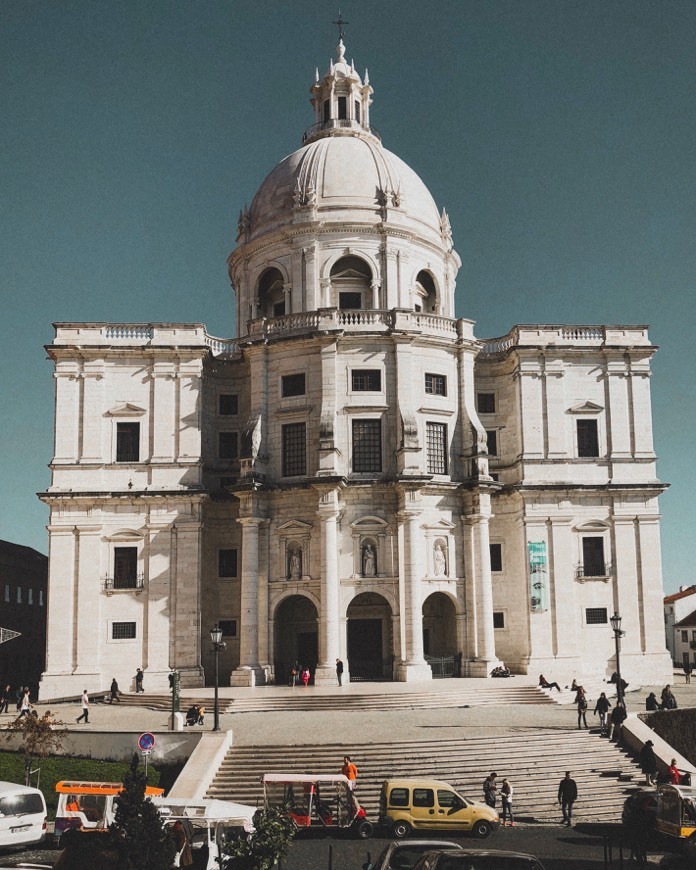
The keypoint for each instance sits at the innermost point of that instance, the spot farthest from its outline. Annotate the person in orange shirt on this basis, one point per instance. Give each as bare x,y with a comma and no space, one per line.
71,805
349,770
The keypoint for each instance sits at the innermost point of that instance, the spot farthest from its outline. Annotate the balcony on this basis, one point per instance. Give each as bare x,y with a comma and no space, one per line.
341,124
124,584
585,573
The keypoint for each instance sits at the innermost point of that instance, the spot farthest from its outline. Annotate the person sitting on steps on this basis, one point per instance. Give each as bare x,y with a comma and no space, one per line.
544,683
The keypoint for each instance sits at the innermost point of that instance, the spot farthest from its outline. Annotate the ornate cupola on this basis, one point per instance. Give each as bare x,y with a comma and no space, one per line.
341,100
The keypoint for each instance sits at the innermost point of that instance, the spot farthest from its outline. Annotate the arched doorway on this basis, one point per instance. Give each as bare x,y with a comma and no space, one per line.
271,294
351,278
295,636
426,294
369,638
440,635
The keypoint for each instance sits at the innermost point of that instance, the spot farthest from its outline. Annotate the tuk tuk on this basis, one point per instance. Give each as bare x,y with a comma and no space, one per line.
676,818
206,822
317,801
88,806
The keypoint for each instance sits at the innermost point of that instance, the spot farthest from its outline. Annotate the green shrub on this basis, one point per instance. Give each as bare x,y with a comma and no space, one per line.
677,727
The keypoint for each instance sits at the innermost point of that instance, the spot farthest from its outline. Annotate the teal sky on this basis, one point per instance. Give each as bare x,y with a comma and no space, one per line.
560,136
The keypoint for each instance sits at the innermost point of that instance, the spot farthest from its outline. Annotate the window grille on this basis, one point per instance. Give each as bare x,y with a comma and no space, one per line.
367,445
127,442
292,385
435,385
485,403
596,615
367,380
123,631
294,450
436,447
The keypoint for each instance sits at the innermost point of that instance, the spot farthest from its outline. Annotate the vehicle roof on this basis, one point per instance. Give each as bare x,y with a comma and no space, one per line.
688,791
435,845
210,809
16,788
489,853
305,777
70,786
411,781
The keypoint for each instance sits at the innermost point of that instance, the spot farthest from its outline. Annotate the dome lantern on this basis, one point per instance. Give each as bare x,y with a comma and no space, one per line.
341,100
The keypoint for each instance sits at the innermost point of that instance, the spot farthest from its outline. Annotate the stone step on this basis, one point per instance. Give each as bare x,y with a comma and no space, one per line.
535,763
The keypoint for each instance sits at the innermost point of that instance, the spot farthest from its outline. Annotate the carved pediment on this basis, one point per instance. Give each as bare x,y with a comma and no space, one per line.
596,526
126,409
443,526
586,408
294,526
369,523
125,535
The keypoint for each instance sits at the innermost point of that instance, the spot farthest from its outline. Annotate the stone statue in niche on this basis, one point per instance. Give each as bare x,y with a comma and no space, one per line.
295,565
440,559
369,560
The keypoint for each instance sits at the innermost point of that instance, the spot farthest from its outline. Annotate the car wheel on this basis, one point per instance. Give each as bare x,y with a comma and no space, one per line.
364,830
482,829
401,829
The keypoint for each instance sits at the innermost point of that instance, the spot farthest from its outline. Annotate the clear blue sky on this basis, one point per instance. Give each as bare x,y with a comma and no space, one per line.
560,136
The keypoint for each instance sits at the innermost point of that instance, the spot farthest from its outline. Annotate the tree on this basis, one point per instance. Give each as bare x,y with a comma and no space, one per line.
273,834
138,833
41,736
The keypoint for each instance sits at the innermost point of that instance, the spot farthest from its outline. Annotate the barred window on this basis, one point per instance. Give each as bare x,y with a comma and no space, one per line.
125,567
436,447
485,403
227,563
123,631
435,385
367,380
596,615
367,445
228,445
229,405
127,442
292,385
294,449
593,557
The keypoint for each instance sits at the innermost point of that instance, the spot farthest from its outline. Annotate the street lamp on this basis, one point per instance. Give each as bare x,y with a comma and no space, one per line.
216,638
618,634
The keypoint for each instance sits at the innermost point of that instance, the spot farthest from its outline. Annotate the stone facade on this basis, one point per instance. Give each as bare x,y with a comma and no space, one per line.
355,475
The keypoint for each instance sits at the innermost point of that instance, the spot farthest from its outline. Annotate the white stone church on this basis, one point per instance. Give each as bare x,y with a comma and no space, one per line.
355,475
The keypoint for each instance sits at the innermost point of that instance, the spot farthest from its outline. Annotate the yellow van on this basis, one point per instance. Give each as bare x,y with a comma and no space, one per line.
430,805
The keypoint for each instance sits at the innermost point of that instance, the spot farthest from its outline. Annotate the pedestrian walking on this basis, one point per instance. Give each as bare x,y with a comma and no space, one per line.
648,762
25,706
687,671
339,671
114,692
5,699
305,676
506,791
350,771
490,789
618,717
602,708
581,702
139,676
85,708
567,795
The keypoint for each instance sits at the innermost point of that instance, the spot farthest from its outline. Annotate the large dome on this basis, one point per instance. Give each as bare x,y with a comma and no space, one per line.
347,178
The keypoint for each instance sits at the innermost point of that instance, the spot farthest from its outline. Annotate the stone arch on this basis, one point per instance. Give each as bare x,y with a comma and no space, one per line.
369,639
270,292
426,295
351,277
295,626
440,625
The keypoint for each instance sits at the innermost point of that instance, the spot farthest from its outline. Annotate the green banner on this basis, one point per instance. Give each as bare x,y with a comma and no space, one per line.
538,576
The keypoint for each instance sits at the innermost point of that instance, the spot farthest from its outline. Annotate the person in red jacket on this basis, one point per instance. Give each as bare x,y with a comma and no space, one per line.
673,773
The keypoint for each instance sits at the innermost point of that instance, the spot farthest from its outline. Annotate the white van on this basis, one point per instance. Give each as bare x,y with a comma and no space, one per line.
22,815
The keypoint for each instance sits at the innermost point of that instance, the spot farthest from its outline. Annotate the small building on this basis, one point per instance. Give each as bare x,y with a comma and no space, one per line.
677,607
23,584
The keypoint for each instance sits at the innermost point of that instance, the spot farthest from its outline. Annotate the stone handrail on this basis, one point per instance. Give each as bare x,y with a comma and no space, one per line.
358,319
547,335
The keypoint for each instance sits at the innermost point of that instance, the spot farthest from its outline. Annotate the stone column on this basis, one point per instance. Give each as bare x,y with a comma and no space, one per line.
618,423
329,645
160,551
163,424
478,518
92,412
186,582
529,385
88,635
57,680
413,665
556,433
66,442
249,672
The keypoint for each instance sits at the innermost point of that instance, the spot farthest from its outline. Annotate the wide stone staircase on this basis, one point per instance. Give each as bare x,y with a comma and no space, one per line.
457,693
534,762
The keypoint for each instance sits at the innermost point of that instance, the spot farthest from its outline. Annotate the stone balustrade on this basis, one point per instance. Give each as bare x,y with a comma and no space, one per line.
141,334
546,336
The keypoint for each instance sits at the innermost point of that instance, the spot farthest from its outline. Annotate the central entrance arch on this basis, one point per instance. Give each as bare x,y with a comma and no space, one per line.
440,635
296,637
370,655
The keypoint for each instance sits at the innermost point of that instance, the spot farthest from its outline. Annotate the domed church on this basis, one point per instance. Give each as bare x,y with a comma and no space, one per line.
355,476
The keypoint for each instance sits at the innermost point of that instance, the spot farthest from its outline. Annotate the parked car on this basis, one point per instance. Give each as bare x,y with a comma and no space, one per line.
479,859
431,805
404,856
23,815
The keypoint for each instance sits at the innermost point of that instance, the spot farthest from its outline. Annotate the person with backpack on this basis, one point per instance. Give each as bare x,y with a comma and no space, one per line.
581,701
490,788
602,708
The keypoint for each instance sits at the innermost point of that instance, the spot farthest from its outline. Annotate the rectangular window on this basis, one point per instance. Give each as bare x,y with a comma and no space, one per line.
492,441
123,631
367,445
485,403
349,301
596,616
127,442
227,563
327,111
19,595
593,557
398,797
496,557
357,111
228,405
229,627
7,592
685,636
435,385
342,108
125,567
40,597
294,450
423,797
30,596
228,445
436,447
498,619
292,385
588,439
366,380
279,308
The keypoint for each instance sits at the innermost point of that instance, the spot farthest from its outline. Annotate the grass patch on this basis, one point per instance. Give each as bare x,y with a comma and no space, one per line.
58,767
677,727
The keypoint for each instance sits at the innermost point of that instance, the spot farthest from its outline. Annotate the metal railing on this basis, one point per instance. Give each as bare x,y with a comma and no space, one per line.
118,584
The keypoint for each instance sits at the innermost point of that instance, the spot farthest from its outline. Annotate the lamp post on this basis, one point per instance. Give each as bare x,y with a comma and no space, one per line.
618,634
216,638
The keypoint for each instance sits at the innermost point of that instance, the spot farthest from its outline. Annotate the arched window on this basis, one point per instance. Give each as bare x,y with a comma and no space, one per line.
426,294
270,294
350,282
